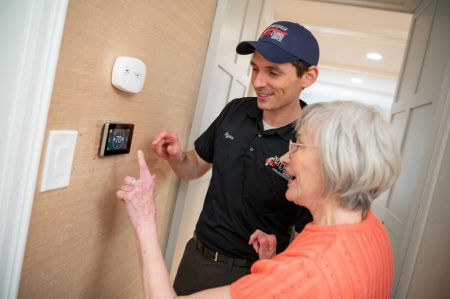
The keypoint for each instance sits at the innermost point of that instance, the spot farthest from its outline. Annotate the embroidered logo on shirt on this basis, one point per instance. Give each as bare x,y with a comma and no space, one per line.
228,136
278,167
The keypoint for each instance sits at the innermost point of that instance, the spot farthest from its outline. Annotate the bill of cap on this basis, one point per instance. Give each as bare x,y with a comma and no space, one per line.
268,50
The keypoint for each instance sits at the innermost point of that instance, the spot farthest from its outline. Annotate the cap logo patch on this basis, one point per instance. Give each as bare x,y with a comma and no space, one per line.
275,34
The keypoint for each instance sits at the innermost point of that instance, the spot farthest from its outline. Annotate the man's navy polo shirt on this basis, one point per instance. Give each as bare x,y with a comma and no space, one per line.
244,195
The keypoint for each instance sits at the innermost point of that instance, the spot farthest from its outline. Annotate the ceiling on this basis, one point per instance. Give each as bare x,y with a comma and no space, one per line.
346,33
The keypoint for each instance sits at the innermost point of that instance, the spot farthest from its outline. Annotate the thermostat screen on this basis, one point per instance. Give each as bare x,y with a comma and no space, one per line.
116,139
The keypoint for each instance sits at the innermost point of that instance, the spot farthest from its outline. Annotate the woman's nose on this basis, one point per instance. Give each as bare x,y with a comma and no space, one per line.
285,158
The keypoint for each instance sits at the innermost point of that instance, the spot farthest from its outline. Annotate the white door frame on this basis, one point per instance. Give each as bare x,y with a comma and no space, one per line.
196,126
32,39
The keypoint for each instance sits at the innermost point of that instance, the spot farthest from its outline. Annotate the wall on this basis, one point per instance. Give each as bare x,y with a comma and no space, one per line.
80,244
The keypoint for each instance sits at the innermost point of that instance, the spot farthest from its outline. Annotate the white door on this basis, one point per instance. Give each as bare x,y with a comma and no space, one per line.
416,116
226,76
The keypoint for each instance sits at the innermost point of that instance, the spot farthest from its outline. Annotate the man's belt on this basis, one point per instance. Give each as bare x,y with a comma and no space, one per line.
219,257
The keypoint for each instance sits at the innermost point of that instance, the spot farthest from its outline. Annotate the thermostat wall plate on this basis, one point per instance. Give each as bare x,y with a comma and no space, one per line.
115,139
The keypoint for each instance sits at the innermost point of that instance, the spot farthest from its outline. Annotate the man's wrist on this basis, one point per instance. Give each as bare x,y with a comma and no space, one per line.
183,156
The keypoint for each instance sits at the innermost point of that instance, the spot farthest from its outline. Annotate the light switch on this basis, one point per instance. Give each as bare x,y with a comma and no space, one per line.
58,159
128,74
61,160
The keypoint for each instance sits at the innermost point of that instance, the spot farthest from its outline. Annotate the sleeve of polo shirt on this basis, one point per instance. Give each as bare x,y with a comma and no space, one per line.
204,145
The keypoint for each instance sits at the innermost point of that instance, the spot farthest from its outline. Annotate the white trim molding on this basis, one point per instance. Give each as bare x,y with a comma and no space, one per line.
33,40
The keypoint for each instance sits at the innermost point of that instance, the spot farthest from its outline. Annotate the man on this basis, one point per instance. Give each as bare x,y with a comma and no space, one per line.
245,215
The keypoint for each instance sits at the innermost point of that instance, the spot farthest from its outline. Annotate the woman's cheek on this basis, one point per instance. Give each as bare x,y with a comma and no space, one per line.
293,191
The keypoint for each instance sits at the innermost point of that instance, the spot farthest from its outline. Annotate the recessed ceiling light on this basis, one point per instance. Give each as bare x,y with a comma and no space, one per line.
356,80
374,56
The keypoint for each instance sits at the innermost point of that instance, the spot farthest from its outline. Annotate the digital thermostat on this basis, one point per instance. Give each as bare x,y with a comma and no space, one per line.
115,139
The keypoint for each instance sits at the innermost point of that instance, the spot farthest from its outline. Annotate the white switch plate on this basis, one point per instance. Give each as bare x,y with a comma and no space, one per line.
58,159
128,74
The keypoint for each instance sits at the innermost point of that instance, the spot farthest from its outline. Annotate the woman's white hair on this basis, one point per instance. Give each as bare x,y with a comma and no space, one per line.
360,156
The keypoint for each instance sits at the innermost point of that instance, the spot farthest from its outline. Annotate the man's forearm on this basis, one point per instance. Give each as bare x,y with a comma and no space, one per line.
190,166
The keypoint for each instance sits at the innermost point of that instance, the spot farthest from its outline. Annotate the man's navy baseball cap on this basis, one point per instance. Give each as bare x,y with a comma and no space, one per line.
284,42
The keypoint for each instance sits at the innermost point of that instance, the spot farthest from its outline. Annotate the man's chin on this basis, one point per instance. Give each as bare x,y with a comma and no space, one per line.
263,103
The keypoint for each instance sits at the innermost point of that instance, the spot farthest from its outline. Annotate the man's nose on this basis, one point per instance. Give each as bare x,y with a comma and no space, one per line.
258,80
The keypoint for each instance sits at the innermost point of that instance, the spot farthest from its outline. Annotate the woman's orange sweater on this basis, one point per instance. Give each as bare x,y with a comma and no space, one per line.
337,261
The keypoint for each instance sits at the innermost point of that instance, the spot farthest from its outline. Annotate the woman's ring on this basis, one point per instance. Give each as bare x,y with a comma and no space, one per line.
132,182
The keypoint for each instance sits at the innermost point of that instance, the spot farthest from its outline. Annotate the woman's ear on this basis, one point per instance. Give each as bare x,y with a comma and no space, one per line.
310,76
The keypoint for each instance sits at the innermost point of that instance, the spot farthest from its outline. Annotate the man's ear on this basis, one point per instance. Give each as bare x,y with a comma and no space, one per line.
310,76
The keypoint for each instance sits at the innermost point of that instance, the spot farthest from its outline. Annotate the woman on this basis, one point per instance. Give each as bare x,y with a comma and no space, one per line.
345,156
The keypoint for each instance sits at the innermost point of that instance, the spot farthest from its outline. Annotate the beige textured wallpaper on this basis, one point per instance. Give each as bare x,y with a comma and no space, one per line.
80,244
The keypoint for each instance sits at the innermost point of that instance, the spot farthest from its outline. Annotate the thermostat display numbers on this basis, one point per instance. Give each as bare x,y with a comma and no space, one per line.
117,139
